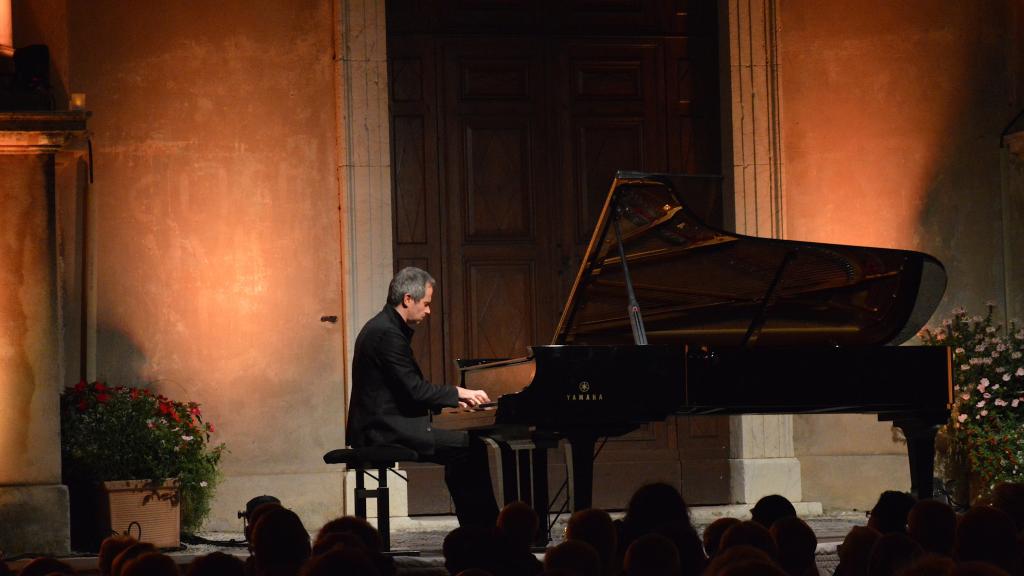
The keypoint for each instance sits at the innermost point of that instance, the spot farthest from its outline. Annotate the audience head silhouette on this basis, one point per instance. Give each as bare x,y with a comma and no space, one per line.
656,505
797,544
279,541
855,551
652,555
713,534
573,557
518,522
348,561
45,566
110,548
1009,497
595,527
890,512
770,508
932,524
892,553
151,564
128,554
749,533
216,564
985,534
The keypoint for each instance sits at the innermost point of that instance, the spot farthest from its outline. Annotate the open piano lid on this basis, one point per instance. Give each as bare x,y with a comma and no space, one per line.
698,284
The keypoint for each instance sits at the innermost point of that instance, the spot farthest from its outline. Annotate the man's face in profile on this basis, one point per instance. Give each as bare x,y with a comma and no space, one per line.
417,311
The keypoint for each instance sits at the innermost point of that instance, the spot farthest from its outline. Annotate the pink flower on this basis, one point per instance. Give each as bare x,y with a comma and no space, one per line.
984,412
1019,372
1015,402
980,404
984,382
962,417
965,396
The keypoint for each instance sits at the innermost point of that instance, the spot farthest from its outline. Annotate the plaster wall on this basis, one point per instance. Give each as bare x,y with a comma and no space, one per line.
891,116
215,237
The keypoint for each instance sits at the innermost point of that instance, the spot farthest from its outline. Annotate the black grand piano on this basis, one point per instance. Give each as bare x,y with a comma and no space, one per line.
670,315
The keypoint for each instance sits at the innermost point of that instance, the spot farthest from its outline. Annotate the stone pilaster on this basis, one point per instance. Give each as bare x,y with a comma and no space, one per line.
761,457
754,116
33,503
364,175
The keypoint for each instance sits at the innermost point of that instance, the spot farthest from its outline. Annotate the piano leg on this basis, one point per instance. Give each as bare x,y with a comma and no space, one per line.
580,465
539,473
920,437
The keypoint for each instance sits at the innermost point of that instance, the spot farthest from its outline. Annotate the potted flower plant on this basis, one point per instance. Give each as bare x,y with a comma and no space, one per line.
122,434
984,440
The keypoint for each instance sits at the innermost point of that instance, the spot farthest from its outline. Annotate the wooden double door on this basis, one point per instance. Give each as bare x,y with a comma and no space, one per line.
505,136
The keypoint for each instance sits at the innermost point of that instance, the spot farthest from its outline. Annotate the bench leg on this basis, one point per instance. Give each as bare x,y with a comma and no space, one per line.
383,509
360,494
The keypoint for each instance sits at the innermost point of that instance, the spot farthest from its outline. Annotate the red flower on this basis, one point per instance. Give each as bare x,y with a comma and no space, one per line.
83,405
134,394
81,386
99,387
174,416
103,397
165,407
193,409
209,426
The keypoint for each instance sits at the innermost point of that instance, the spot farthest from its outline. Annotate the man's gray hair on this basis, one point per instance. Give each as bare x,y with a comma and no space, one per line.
410,280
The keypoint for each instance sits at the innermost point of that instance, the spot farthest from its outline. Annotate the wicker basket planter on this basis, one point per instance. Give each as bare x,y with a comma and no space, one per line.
148,510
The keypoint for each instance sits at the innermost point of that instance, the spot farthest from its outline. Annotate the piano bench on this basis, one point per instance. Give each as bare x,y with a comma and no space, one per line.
365,461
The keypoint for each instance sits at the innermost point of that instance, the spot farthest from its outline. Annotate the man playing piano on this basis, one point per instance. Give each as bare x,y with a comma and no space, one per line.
391,400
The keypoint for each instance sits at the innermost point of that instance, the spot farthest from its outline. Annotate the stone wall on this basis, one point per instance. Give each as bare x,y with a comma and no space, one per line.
890,122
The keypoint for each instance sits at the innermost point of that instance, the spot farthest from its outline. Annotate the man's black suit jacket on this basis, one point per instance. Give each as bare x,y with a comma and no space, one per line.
391,401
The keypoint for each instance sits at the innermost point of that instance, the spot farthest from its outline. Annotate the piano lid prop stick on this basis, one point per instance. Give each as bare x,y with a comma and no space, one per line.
636,321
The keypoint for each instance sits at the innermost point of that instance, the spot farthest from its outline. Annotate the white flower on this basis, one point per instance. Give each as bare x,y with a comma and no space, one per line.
1006,377
203,484
984,382
959,350
964,367
1000,402
962,417
980,404
186,438
1019,372
984,412
996,387
1015,402
1015,355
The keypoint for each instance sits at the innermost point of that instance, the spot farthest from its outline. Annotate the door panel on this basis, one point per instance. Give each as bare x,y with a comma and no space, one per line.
509,120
